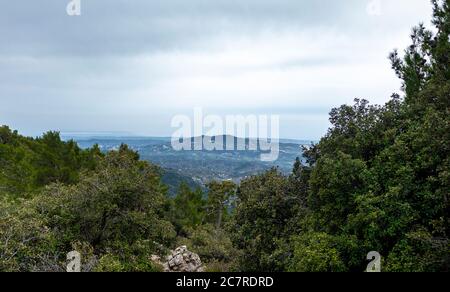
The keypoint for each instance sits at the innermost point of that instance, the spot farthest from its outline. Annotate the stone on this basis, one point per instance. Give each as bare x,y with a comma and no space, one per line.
180,260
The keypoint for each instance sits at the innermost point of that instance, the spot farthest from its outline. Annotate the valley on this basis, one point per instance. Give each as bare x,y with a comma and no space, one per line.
197,168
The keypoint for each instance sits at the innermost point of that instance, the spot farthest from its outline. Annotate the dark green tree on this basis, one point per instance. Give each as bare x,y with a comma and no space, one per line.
219,202
188,208
265,208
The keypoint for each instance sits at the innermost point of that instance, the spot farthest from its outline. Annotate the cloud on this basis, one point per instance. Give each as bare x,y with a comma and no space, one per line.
131,65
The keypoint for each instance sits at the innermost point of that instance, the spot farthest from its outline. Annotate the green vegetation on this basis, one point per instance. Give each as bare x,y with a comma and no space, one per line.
378,181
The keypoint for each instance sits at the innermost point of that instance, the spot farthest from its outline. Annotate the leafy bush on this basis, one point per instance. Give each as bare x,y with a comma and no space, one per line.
316,252
214,247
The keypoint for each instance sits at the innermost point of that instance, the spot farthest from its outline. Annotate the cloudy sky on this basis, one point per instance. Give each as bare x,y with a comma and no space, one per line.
130,66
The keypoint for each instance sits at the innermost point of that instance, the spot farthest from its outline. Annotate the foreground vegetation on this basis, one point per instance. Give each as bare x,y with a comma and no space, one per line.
379,180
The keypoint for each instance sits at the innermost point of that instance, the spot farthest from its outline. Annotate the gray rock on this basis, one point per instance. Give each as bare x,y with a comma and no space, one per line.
180,260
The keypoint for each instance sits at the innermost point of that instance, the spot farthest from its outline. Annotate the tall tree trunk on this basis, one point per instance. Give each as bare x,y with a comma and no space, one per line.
219,218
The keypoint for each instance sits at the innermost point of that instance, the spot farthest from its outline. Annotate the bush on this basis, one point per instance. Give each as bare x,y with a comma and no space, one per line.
316,252
214,247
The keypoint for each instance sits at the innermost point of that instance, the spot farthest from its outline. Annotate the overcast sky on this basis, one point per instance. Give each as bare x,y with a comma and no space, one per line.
130,66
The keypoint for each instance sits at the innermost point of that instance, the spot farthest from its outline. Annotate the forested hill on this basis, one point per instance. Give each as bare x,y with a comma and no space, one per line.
28,164
378,181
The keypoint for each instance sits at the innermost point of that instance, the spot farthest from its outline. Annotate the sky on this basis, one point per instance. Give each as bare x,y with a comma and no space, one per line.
129,67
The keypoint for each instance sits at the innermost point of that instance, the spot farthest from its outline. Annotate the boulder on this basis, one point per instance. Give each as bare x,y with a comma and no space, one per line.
180,260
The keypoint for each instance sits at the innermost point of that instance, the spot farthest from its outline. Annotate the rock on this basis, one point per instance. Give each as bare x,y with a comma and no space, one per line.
180,260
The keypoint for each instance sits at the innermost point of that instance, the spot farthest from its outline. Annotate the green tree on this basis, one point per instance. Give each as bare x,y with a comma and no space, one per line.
265,208
29,164
316,252
188,208
219,202
381,174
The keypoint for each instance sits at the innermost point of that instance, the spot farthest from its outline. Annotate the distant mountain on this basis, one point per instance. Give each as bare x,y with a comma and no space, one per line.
199,167
225,138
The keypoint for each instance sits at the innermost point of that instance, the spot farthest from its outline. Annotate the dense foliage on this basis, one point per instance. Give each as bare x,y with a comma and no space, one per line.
378,181
28,164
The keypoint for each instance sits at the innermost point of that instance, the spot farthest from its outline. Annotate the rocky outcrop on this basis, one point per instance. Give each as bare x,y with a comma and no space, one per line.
181,260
